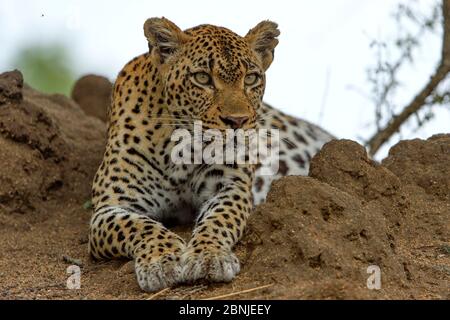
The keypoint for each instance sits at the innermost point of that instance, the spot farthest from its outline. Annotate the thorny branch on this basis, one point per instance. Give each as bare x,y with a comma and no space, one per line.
427,92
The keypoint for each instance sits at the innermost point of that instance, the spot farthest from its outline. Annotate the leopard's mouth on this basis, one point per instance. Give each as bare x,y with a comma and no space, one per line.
225,128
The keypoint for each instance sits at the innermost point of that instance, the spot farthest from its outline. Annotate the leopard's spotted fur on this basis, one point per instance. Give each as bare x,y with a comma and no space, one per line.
207,73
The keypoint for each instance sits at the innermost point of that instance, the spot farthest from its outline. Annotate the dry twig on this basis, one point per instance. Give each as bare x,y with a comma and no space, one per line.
153,296
71,260
443,69
239,292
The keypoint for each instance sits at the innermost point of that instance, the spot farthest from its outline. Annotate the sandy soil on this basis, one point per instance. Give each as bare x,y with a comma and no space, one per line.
314,238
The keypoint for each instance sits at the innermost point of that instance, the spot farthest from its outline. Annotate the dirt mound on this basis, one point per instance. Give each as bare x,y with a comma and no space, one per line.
50,148
93,95
423,163
318,235
315,237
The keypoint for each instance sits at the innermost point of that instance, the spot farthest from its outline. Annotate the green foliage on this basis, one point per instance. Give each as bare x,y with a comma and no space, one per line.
445,249
88,205
47,68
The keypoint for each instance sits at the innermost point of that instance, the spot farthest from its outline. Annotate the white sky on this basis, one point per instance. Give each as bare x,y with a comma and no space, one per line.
323,50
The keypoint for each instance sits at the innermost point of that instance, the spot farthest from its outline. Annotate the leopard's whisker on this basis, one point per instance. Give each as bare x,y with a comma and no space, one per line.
140,185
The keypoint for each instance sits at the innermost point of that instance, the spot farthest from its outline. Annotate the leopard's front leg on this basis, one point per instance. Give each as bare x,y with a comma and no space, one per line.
119,232
219,226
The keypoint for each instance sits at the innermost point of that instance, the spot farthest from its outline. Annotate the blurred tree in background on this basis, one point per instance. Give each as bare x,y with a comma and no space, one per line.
383,75
47,68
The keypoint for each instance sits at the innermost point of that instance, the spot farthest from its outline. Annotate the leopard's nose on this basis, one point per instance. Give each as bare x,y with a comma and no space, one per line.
234,122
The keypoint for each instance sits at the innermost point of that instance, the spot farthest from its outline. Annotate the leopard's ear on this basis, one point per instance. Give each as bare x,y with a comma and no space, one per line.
263,40
163,36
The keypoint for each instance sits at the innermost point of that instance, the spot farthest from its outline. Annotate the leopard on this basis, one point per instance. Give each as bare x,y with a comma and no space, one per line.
210,74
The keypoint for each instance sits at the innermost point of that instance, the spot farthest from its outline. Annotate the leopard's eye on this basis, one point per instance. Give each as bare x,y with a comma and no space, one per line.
203,78
251,79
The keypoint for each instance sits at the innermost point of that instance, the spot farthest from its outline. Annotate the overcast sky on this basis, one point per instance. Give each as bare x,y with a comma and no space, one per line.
319,68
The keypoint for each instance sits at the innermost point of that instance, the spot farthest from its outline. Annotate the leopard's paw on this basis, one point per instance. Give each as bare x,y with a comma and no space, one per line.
217,265
156,273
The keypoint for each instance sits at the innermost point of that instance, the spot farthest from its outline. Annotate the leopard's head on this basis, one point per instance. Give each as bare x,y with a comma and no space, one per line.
211,74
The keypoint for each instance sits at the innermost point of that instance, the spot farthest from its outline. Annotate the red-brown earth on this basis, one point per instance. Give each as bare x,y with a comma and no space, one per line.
314,238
